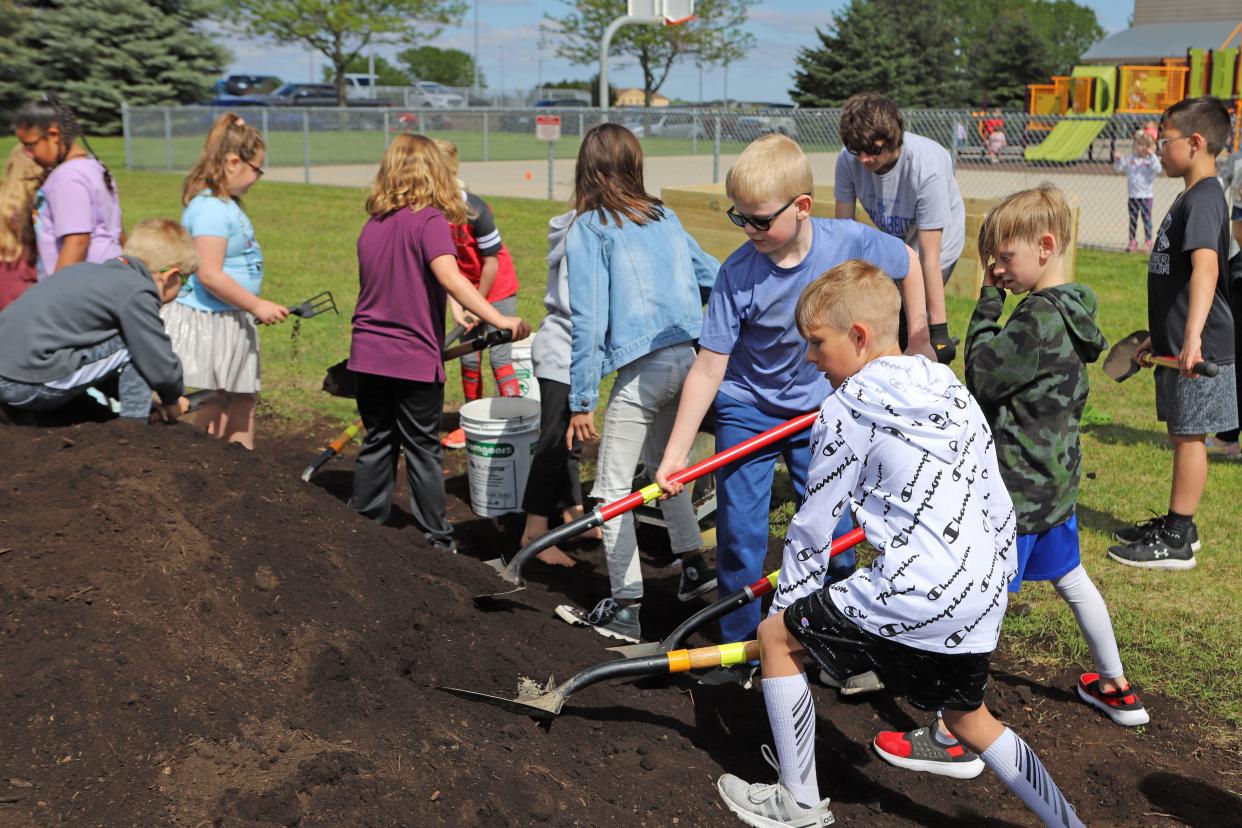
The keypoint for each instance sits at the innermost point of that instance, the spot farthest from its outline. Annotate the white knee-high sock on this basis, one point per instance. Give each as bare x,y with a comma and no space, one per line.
1019,768
791,712
1085,601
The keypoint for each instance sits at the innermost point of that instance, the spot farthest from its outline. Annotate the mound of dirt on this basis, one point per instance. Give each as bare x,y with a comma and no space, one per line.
192,636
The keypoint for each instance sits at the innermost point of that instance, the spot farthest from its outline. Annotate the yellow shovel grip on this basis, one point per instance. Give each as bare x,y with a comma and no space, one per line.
722,655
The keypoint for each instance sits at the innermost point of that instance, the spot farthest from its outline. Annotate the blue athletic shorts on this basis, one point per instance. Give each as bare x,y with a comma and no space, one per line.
1047,555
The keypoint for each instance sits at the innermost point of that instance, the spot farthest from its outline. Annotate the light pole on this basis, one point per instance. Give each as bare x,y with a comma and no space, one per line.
476,48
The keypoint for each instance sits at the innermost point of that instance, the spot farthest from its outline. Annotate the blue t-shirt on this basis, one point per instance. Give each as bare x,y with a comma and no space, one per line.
209,215
750,315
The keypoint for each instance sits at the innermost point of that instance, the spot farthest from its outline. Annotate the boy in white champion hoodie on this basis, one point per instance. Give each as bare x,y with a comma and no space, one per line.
905,446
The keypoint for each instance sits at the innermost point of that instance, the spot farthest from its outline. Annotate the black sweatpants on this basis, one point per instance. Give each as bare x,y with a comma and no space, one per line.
1235,303
554,482
401,415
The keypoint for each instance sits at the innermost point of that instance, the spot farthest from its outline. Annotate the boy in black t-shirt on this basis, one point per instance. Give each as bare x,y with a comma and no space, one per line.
1189,317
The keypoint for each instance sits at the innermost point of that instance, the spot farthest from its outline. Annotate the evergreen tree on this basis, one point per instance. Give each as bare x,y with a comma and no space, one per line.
97,53
17,60
999,76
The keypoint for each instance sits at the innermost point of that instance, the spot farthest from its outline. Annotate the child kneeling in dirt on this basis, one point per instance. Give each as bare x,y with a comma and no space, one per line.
96,324
905,446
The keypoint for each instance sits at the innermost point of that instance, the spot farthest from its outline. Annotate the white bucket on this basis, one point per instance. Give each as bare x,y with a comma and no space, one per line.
524,368
501,433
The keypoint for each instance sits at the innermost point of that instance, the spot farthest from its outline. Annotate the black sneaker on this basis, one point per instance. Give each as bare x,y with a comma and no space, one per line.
609,619
1155,552
1145,528
744,675
697,578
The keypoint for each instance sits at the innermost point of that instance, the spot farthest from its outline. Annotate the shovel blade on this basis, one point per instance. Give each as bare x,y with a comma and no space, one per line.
637,650
1120,365
489,599
544,706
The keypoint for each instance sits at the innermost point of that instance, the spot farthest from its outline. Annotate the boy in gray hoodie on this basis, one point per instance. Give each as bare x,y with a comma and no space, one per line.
91,324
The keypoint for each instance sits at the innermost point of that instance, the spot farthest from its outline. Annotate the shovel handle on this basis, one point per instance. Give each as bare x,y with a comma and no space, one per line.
720,655
487,341
334,448
1207,368
678,661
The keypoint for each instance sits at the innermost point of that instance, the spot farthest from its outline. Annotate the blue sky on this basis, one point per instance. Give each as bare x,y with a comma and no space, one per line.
509,49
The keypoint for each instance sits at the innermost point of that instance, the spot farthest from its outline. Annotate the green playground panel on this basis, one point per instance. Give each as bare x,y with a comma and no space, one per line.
1224,66
1198,66
1068,140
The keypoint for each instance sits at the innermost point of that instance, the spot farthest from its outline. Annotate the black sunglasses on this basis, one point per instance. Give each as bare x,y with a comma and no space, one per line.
871,151
759,222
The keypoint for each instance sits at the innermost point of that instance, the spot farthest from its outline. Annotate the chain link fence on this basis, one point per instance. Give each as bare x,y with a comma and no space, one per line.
994,153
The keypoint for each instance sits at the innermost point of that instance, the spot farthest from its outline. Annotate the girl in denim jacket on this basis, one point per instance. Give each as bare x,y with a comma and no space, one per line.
636,287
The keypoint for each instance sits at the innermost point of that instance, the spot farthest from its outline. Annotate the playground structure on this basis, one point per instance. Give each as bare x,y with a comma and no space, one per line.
1085,103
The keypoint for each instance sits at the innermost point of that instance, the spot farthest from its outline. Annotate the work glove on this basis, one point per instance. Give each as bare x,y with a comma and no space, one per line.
944,345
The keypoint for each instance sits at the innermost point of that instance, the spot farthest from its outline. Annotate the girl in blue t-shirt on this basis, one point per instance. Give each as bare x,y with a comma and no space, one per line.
212,323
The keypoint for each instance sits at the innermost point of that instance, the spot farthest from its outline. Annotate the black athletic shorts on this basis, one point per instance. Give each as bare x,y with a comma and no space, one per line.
843,649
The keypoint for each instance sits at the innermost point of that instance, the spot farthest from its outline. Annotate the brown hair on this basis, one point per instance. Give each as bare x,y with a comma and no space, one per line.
414,174
868,118
1206,116
771,168
17,192
229,135
160,244
853,291
1024,216
609,177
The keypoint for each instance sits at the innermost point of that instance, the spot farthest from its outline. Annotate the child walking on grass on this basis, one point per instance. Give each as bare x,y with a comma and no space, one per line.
1030,379
483,259
212,323
636,279
1141,168
407,260
927,612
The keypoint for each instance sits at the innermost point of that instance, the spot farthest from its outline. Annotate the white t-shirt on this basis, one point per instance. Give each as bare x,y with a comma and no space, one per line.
905,446
918,193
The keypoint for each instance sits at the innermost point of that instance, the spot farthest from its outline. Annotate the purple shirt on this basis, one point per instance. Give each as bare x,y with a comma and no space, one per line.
74,199
399,318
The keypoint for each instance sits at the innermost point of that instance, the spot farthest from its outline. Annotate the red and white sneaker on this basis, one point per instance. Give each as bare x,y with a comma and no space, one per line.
454,439
1123,706
918,750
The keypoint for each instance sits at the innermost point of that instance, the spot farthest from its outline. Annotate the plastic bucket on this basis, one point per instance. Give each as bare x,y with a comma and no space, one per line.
524,368
501,433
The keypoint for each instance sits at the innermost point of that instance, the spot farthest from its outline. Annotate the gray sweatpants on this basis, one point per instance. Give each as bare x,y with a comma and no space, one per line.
100,363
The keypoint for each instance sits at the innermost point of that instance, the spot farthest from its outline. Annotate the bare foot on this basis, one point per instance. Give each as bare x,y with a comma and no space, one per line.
555,557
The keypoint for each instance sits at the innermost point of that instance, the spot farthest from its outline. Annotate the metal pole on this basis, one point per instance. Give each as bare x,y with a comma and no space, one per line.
371,75
125,130
386,129
167,139
694,133
267,142
605,42
485,158
551,155
422,122
306,146
476,49
716,149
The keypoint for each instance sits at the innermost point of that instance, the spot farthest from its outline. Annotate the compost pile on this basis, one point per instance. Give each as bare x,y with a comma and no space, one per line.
192,636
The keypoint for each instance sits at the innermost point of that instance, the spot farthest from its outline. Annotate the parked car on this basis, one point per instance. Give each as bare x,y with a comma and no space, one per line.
245,85
669,125
358,86
750,127
434,95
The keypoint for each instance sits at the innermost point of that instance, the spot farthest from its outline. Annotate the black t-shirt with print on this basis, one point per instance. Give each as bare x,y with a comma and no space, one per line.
1198,219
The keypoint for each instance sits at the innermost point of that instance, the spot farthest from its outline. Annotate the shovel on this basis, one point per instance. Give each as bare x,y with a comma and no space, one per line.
726,605
545,703
512,572
334,448
317,304
497,337
1123,362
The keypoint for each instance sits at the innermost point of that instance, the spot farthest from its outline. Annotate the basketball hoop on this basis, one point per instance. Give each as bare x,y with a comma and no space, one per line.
677,12
670,22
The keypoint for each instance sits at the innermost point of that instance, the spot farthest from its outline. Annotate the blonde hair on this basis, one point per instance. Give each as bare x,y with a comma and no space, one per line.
22,175
414,174
1024,216
1143,139
853,291
771,168
229,135
161,244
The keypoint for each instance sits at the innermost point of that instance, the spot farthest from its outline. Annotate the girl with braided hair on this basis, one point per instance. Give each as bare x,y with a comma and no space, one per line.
77,212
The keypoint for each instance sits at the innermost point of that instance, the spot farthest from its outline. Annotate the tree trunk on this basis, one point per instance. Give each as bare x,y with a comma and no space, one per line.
341,63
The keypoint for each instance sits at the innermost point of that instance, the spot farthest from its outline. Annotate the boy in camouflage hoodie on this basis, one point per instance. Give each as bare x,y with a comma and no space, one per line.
1030,378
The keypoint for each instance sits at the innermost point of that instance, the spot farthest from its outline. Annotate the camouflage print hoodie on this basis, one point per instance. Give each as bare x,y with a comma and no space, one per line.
1030,378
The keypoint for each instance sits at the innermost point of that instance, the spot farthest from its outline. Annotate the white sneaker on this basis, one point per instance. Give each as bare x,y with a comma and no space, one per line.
867,682
770,806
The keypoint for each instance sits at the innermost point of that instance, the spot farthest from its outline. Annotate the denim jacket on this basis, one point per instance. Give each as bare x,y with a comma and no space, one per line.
633,289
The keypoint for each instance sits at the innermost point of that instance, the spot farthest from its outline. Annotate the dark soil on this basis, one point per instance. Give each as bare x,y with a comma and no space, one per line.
191,636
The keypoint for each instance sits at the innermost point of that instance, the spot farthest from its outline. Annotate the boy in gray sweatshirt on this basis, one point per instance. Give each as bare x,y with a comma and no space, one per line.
92,323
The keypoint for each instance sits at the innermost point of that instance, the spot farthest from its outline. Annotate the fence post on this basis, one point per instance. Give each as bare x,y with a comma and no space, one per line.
167,139
422,122
125,130
485,158
581,124
306,146
716,152
694,133
267,141
551,156
386,128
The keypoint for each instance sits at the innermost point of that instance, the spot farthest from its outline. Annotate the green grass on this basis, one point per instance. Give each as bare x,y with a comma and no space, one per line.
1178,633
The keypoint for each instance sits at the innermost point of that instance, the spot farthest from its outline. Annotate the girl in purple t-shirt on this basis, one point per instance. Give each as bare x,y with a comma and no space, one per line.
407,260
77,212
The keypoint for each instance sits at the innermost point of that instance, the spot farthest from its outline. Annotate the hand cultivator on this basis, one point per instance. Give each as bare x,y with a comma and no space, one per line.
546,702
317,304
1124,360
512,572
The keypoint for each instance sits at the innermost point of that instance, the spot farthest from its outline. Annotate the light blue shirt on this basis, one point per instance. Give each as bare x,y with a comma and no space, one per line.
750,315
209,215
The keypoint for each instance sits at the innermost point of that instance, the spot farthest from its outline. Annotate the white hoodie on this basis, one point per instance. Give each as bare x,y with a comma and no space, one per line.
905,446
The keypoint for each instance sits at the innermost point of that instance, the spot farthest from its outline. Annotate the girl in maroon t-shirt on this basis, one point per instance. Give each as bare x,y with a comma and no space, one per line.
406,262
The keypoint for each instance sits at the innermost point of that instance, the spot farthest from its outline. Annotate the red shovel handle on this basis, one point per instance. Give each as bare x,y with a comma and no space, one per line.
767,438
